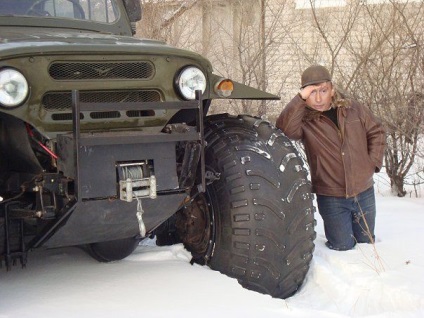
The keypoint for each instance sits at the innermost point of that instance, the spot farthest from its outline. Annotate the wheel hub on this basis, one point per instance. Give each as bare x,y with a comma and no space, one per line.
194,226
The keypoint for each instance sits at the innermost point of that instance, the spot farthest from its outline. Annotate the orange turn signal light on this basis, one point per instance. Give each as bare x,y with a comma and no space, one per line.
224,87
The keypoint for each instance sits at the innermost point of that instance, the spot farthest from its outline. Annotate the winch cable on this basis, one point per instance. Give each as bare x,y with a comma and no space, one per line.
134,173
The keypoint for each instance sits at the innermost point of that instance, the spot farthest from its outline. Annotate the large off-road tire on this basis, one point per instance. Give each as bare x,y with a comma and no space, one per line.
112,250
255,222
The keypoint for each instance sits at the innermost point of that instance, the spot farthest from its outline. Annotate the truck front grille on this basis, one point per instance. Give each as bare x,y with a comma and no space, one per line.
60,103
101,70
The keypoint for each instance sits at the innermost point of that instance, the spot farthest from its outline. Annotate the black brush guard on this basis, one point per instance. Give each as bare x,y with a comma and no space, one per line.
73,224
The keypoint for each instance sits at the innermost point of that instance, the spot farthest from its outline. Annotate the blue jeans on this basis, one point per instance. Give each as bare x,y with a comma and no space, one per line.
348,221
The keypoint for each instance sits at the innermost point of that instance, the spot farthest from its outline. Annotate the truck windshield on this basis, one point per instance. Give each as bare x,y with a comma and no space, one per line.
105,11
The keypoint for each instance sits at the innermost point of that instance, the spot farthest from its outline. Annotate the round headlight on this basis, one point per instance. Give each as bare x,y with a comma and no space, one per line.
13,87
190,80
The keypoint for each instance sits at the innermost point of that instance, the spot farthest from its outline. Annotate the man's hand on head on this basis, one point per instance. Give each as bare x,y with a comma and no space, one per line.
305,92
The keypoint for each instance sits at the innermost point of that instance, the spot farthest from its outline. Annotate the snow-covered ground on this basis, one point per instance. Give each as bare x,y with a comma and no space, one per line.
385,281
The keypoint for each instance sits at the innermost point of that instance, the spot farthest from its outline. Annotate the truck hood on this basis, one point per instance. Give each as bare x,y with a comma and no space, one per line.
29,41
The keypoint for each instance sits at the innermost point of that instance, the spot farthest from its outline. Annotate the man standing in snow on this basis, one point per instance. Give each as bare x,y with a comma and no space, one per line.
344,144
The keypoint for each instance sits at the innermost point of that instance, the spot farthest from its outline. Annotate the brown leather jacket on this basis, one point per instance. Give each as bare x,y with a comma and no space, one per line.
342,160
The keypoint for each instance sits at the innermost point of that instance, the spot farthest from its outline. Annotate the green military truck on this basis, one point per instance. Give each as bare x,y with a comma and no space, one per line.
106,140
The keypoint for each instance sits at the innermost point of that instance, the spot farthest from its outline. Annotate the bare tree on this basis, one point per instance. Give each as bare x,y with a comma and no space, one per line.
390,79
169,21
259,29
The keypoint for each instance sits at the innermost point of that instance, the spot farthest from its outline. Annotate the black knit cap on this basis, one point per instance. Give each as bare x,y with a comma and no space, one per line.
315,74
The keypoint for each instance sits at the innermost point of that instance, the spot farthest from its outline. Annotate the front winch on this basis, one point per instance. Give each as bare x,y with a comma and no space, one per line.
137,181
